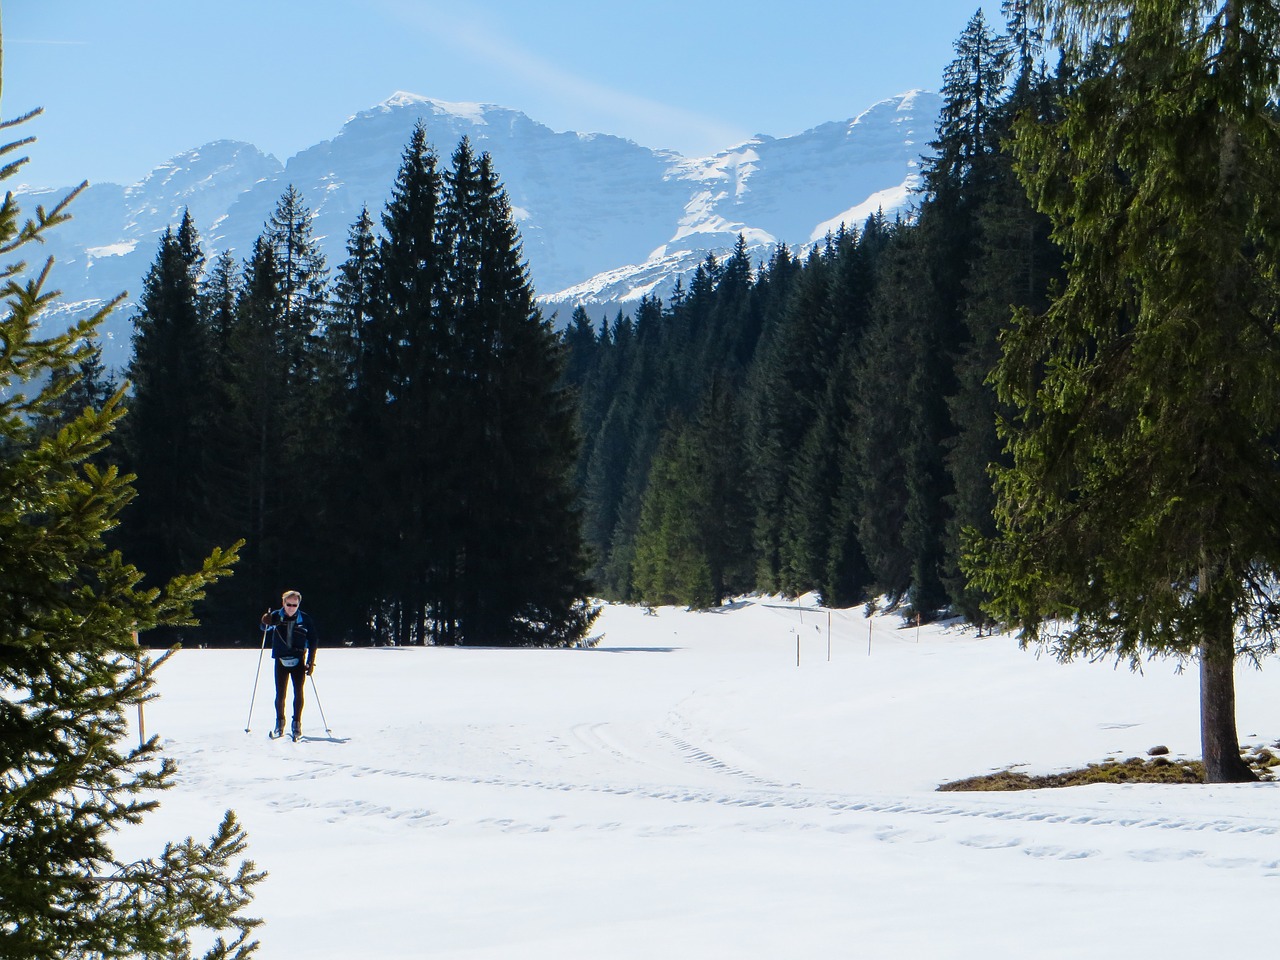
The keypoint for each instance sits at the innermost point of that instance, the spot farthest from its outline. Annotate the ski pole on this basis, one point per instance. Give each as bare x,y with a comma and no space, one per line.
256,677
316,694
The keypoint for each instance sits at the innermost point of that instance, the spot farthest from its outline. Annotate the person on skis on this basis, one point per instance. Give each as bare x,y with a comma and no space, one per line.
293,648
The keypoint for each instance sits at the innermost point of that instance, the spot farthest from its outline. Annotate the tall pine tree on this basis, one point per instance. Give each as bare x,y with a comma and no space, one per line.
399,408
1137,515
272,406
518,573
167,439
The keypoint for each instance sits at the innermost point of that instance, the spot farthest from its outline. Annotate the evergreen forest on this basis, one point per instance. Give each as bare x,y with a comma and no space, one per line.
822,421
405,438
393,437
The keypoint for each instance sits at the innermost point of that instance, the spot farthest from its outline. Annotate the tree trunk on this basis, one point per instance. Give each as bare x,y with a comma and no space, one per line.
1218,740
1219,743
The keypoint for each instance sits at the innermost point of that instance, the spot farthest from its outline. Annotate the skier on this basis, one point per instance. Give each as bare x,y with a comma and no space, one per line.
293,648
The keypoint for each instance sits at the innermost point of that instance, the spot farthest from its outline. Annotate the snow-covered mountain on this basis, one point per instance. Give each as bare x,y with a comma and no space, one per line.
604,220
792,190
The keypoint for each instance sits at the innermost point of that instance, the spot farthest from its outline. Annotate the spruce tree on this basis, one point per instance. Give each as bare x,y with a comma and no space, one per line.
222,479
725,521
264,323
308,444
462,420
1013,265
1137,515
355,298
693,541
302,297
399,408
580,344
784,388
219,292
876,467
958,180
342,450
969,126
167,434
735,322
70,668
518,576
623,449
672,565
250,427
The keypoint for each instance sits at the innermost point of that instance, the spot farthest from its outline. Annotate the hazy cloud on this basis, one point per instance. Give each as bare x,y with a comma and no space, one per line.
607,108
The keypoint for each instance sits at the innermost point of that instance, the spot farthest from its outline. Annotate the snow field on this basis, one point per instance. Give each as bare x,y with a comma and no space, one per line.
685,790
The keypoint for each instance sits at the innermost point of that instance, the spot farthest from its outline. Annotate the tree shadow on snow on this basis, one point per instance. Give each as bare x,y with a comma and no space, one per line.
634,649
729,607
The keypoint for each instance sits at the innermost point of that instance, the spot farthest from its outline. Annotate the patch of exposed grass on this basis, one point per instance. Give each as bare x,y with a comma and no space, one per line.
1134,770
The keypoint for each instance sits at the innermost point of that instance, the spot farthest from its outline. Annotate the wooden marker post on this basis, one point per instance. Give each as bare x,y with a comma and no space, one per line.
142,722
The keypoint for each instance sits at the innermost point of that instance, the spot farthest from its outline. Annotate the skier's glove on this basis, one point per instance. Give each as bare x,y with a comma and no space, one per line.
311,668
266,618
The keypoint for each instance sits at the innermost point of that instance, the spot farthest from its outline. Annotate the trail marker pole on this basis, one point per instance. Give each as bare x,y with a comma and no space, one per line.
142,722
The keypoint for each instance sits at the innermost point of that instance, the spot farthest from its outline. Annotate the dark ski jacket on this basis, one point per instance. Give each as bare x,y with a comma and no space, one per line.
294,636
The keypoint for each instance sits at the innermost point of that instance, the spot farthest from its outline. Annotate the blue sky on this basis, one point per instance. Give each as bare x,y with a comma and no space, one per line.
126,84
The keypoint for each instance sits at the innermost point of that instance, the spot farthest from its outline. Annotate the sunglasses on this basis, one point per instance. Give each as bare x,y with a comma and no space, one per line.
291,603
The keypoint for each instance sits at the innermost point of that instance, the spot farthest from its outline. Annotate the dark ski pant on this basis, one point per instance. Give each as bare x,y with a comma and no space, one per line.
283,674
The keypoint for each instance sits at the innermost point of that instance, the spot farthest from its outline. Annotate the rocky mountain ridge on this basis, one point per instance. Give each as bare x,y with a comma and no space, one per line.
603,220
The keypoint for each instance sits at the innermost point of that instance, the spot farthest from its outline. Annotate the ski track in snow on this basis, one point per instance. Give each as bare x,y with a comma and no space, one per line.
986,822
